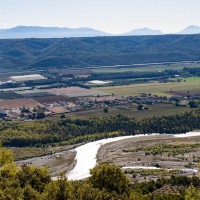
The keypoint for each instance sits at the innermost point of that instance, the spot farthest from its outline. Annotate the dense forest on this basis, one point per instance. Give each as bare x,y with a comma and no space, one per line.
69,131
99,51
106,183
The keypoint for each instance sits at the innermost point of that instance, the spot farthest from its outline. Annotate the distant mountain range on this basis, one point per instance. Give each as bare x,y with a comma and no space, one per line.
143,31
55,32
48,32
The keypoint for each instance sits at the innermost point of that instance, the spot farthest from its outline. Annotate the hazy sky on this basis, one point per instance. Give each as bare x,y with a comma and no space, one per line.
113,16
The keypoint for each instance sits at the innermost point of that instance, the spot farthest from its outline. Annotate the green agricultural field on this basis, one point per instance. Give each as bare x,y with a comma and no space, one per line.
146,68
154,110
10,95
195,78
161,89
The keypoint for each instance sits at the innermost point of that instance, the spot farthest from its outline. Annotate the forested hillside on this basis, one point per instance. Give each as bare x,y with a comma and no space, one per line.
99,51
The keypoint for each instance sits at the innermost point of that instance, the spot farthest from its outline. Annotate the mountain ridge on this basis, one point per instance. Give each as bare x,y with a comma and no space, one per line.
22,32
190,30
97,51
143,31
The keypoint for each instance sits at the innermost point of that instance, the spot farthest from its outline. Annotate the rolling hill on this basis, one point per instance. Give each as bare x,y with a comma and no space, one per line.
97,51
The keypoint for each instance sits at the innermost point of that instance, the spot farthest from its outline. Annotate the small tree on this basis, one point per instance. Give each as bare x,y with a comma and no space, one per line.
62,116
140,107
24,110
105,110
109,178
193,104
40,115
58,190
32,116
192,193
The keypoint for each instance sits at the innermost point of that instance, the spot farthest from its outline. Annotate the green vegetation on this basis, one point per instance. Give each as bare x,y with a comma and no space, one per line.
155,172
193,104
68,131
39,94
154,110
194,78
160,89
9,95
99,51
28,152
103,176
151,68
171,149
105,110
106,182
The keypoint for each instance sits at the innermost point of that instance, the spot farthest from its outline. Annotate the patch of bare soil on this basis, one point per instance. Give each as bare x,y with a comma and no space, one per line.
18,103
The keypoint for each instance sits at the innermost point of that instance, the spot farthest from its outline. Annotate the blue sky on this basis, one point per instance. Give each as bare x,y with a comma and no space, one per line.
113,16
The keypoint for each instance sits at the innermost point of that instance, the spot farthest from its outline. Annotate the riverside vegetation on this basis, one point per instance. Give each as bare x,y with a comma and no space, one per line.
106,182
69,131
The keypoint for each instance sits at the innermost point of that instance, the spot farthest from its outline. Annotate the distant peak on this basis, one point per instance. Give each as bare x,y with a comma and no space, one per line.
192,29
144,28
144,31
193,26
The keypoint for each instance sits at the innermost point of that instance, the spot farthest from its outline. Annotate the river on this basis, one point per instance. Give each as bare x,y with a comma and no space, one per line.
86,154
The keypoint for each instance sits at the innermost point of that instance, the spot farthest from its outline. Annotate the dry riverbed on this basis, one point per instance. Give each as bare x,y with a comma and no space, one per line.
172,156
164,154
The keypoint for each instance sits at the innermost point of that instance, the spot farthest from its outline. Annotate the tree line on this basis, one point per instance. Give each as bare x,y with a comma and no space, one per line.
71,131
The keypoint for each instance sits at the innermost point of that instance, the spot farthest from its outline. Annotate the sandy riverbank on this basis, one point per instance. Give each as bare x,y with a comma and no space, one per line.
114,151
137,152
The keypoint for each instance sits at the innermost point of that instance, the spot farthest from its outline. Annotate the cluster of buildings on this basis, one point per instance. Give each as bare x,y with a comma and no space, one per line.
90,103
